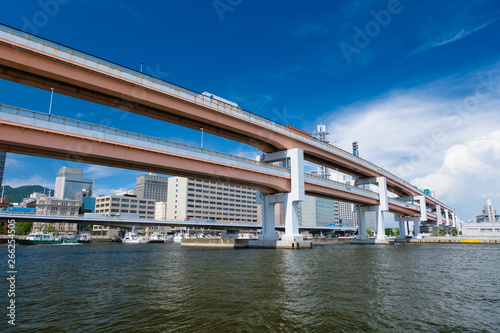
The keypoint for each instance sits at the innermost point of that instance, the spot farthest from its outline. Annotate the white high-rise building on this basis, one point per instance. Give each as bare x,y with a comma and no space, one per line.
489,213
161,210
70,181
152,186
211,200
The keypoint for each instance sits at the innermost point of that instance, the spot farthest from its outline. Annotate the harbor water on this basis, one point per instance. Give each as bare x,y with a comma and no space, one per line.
113,287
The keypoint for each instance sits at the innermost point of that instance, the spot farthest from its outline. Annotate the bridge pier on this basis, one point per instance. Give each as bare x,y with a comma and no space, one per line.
292,239
383,206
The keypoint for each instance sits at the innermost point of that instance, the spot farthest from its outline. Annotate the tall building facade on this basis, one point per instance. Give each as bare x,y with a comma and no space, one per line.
489,213
211,200
70,181
318,212
112,205
152,186
160,210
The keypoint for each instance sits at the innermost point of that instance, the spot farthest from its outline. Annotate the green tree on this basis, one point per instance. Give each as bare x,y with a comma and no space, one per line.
397,232
389,232
454,231
369,232
23,228
442,232
50,228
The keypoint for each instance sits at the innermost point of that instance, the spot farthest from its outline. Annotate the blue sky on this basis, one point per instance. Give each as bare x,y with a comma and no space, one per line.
416,83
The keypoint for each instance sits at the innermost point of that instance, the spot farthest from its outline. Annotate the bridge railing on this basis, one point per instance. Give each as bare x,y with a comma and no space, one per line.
148,80
348,187
130,135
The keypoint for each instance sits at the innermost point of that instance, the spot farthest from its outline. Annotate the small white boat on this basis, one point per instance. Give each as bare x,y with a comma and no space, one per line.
84,238
178,236
132,237
156,237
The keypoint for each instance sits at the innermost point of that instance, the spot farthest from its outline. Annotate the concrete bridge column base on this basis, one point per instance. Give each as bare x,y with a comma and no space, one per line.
264,242
294,242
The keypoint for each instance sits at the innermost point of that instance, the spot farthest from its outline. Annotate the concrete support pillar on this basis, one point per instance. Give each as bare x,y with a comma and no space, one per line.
416,226
402,228
361,223
454,219
292,238
379,209
380,225
447,216
438,215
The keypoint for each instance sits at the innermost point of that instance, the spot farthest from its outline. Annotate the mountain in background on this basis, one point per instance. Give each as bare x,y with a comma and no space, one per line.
19,193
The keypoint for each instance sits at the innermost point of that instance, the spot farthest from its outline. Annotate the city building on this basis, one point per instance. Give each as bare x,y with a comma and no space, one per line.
59,207
318,212
87,202
70,181
125,205
160,210
489,213
487,224
152,186
211,200
46,205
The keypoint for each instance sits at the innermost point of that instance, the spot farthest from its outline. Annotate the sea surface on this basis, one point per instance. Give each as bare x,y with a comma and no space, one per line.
113,287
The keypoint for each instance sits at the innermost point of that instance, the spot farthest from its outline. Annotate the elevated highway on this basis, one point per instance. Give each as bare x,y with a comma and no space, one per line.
32,133
37,62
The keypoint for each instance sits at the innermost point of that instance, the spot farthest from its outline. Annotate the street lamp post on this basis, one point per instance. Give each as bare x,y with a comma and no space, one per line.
202,137
51,95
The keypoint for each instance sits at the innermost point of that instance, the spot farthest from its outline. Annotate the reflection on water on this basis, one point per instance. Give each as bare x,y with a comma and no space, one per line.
113,287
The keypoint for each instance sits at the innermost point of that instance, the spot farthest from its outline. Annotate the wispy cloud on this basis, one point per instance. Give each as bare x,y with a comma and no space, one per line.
450,37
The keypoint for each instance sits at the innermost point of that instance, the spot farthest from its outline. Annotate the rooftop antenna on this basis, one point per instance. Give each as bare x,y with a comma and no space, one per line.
321,134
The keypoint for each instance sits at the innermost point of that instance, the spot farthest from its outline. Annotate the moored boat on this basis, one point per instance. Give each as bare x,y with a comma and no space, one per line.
84,238
132,237
40,238
156,237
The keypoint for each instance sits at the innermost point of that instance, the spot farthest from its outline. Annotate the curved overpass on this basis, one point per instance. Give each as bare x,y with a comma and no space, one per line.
37,62
38,134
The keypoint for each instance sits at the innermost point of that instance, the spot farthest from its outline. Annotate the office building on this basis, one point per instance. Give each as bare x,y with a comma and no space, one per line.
318,212
161,211
70,181
211,200
125,205
152,186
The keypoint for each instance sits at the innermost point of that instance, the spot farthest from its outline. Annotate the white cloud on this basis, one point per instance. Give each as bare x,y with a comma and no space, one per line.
33,180
432,134
469,174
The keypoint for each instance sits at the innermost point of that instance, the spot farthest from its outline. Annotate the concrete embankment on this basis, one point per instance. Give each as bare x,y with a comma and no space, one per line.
329,241
229,243
455,240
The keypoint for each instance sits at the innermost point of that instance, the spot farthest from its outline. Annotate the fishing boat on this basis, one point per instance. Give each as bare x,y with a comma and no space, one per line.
40,238
132,237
